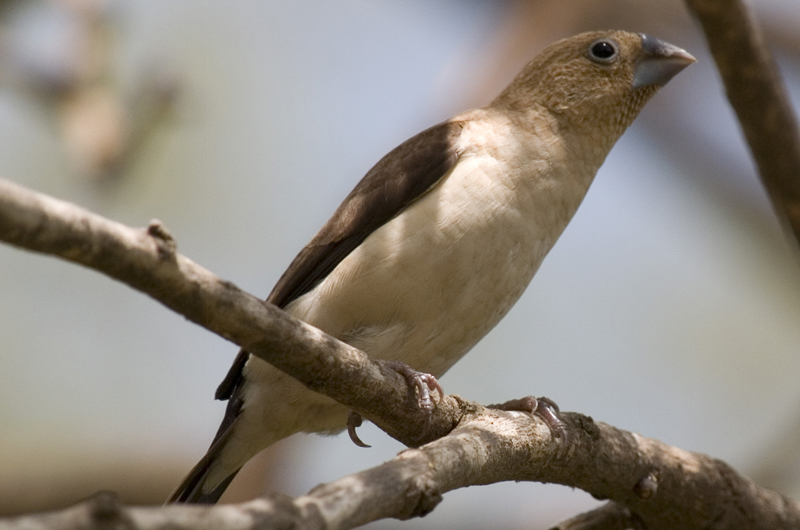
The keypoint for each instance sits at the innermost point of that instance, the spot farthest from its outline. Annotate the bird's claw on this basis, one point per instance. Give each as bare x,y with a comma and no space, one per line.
424,383
420,381
355,420
546,409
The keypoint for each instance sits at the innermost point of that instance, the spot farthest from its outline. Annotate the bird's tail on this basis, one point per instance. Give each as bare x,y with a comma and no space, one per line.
195,488
238,440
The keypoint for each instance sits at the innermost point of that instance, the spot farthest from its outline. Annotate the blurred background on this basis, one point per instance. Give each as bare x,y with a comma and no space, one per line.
669,307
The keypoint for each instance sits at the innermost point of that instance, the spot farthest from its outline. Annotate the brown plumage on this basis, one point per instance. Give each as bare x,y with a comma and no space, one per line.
438,241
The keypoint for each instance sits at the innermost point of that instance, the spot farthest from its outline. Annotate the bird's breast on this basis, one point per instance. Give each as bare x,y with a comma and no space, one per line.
429,284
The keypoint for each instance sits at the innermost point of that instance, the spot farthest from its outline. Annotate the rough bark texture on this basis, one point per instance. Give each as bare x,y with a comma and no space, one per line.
756,93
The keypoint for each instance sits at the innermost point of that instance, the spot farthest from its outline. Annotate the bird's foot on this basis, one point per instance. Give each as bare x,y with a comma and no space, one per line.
546,409
354,420
420,381
424,383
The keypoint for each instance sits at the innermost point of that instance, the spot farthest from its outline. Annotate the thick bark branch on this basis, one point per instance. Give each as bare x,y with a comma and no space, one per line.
659,485
147,261
759,98
652,485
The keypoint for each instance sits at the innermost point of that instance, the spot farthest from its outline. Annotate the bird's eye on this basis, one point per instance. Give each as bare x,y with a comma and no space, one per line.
603,51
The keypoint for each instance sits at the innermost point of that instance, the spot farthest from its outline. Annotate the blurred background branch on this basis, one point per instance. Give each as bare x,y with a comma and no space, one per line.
758,96
64,54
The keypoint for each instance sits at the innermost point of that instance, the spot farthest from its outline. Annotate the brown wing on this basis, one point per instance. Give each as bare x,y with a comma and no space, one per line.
399,178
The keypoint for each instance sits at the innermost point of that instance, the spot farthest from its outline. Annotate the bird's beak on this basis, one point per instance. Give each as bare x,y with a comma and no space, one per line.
660,62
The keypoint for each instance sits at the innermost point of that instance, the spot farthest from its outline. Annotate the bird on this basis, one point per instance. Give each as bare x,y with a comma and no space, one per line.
441,237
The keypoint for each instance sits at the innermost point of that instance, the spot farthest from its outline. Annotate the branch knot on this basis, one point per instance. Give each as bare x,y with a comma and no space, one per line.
427,496
165,243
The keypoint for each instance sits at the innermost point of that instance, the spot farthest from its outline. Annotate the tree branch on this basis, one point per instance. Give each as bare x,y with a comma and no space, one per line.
756,93
653,485
659,485
146,259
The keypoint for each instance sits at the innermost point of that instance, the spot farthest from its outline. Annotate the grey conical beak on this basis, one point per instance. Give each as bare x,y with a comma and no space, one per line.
660,62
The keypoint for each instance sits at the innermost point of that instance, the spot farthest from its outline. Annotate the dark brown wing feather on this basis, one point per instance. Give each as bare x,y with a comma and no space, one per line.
396,181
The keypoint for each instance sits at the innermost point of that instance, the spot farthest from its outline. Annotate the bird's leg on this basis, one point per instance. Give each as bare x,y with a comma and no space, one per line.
355,420
424,383
546,409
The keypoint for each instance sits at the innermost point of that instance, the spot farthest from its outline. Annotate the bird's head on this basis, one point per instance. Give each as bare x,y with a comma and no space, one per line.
598,80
